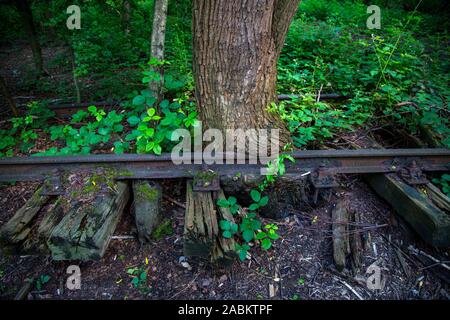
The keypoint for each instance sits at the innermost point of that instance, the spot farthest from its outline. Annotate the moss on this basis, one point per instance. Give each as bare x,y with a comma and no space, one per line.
164,229
204,178
146,192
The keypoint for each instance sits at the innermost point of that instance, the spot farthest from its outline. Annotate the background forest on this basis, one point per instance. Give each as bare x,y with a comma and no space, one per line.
396,76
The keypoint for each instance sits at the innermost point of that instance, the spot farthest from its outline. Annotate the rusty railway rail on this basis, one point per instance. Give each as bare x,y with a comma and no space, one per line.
322,164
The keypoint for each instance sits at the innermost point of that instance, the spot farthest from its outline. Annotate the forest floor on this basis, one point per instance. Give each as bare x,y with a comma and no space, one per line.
300,265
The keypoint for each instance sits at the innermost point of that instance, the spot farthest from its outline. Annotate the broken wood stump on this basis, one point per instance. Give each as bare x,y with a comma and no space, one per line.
147,208
431,223
202,236
347,243
341,244
85,231
28,230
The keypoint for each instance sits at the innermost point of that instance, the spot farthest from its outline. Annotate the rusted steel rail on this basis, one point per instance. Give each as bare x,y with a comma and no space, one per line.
322,164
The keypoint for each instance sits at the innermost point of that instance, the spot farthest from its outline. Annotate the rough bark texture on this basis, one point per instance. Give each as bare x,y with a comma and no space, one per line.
236,49
27,18
157,44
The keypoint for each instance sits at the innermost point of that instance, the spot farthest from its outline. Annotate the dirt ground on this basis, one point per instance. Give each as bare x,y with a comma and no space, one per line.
300,265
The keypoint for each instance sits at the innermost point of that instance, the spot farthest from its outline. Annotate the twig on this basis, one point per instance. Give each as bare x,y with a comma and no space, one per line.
122,237
417,251
185,288
174,201
351,289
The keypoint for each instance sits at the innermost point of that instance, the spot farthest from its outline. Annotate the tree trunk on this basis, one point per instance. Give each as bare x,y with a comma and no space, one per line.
27,18
4,90
126,16
157,45
237,45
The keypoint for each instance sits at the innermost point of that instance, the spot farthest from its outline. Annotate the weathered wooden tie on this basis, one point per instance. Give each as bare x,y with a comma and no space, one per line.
28,230
430,222
147,211
201,230
85,231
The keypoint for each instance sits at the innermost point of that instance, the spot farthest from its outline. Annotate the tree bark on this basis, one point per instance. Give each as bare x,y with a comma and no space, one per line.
7,95
237,45
126,16
157,45
27,17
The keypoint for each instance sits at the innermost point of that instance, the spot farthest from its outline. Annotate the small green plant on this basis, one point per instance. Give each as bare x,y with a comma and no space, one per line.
266,237
41,281
242,251
138,277
249,226
229,229
258,200
231,203
444,183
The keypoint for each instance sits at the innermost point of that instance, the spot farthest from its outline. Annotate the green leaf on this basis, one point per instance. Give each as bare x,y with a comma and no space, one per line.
234,208
157,149
266,244
138,100
264,200
261,235
45,278
253,206
225,224
222,203
133,120
232,200
151,112
248,235
242,255
227,234
256,196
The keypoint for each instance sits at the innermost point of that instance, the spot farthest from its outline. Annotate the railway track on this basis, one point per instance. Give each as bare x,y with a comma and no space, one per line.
59,233
320,163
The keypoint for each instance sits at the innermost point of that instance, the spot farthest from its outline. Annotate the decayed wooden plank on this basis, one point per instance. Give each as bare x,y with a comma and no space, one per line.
438,198
147,205
341,245
196,242
84,232
36,242
431,223
18,227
